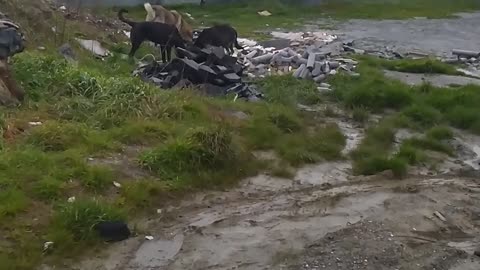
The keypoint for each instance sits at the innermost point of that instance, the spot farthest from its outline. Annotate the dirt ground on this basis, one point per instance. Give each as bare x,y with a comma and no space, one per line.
436,37
325,218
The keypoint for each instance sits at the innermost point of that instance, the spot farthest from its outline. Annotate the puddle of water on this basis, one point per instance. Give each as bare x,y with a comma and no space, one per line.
159,253
467,246
353,135
330,172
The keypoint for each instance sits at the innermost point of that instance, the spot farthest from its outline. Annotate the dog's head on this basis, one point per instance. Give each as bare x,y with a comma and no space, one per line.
186,32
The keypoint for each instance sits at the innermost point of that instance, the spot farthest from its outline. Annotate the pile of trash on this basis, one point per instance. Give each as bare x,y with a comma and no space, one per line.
211,70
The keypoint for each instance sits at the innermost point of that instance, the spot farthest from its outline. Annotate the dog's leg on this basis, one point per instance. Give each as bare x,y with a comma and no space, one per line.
136,39
135,47
169,53
164,56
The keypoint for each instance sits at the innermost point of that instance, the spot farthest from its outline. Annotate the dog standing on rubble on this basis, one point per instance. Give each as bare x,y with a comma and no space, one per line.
165,35
158,13
221,35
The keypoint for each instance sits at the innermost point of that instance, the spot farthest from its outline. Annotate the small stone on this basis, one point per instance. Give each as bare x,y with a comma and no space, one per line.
149,237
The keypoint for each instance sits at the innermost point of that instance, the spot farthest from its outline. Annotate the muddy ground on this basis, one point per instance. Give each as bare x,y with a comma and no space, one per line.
436,37
325,218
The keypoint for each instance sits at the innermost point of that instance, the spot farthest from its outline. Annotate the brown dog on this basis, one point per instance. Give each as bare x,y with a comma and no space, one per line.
160,14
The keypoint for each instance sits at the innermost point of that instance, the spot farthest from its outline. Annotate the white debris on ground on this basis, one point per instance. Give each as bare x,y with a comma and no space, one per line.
310,55
93,46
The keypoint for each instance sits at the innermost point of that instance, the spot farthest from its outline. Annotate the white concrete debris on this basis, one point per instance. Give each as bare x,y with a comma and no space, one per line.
93,46
314,56
301,37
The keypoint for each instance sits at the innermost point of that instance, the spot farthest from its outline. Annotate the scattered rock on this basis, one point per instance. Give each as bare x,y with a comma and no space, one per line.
67,52
113,231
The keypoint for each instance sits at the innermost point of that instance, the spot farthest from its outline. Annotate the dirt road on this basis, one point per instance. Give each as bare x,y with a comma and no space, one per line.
436,37
325,218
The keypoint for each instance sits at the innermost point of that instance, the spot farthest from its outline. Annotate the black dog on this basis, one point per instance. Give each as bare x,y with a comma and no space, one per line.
222,35
167,36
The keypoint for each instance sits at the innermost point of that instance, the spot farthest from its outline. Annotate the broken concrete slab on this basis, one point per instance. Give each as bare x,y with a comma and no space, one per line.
93,46
438,80
278,44
263,59
465,53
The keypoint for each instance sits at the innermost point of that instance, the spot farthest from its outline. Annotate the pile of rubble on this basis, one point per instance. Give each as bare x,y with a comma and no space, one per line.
211,70
313,55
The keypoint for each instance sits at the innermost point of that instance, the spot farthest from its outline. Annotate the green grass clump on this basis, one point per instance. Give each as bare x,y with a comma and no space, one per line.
58,136
202,149
440,133
80,217
423,115
360,115
288,90
140,193
322,144
12,201
49,188
373,154
371,91
376,164
410,153
424,65
429,144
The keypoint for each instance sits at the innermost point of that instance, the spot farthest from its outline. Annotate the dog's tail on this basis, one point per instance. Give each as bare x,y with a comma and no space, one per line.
236,42
150,12
123,19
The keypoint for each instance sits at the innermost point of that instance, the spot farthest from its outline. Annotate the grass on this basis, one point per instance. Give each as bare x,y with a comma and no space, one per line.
423,65
423,108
